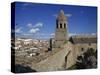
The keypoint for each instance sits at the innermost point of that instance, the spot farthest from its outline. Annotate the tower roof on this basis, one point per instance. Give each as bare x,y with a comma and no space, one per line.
61,15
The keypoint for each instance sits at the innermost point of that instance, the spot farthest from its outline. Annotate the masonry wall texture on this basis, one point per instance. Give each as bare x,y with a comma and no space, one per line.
61,34
54,62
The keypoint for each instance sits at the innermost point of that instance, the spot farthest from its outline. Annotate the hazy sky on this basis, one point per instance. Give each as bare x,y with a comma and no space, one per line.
39,20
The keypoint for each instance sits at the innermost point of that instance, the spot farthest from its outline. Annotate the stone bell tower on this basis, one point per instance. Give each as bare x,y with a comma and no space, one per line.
61,34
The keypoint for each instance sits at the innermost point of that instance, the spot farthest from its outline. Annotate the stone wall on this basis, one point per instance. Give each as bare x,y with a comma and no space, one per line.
63,59
71,58
81,48
53,63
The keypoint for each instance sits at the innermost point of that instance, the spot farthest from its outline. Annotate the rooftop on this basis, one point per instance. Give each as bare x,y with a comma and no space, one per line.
83,39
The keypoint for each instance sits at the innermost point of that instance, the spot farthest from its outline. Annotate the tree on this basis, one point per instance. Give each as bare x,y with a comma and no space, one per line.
87,60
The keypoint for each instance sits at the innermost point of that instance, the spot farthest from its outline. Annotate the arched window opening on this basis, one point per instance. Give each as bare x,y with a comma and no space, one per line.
64,25
82,49
60,25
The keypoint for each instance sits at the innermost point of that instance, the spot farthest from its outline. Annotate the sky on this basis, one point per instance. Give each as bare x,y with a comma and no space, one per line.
35,20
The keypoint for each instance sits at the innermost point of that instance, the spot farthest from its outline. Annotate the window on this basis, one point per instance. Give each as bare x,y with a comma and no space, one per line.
64,25
56,26
60,25
56,23
82,49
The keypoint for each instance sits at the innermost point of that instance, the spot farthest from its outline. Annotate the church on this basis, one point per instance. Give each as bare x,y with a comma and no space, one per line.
79,44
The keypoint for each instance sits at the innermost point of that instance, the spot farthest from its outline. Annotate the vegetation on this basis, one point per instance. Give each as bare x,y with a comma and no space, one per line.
87,61
65,42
